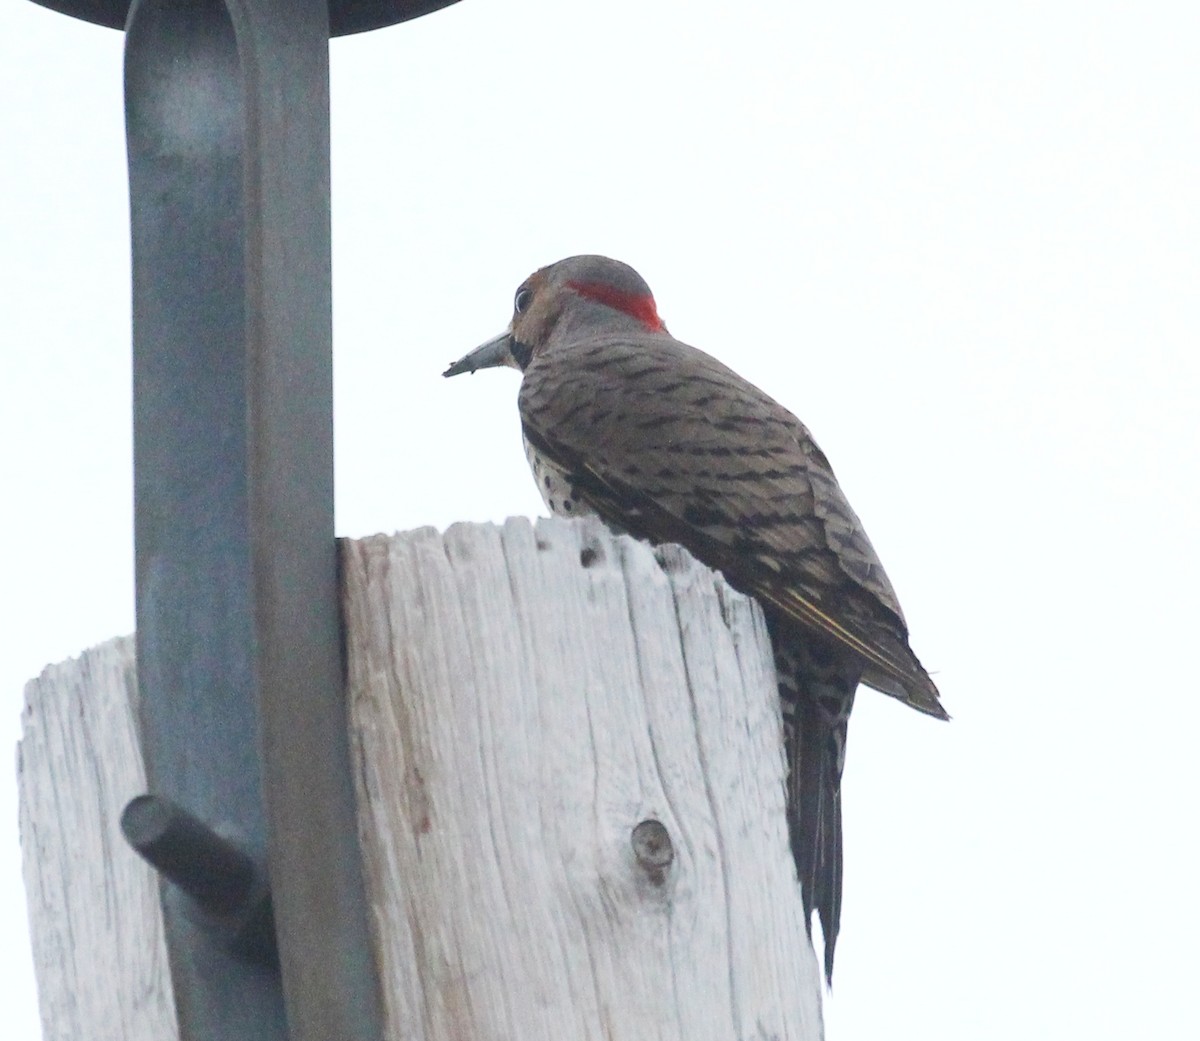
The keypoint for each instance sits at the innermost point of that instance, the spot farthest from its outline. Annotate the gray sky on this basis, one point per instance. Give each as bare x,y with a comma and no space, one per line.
962,243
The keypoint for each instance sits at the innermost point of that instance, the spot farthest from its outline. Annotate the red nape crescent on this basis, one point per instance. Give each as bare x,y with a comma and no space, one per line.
636,305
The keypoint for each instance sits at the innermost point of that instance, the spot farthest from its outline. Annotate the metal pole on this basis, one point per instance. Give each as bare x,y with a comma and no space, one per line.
251,817
237,608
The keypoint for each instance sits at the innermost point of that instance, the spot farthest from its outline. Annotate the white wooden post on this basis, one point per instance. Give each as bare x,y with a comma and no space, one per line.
98,945
570,801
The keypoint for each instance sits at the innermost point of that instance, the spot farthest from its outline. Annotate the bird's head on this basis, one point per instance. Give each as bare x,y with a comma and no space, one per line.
571,300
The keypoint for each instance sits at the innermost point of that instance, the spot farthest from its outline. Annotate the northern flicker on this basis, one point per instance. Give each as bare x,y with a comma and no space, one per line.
664,442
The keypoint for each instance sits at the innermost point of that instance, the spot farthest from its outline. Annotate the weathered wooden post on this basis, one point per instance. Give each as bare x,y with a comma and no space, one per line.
569,791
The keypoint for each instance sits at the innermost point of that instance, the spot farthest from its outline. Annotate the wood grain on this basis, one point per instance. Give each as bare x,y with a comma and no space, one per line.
98,946
524,699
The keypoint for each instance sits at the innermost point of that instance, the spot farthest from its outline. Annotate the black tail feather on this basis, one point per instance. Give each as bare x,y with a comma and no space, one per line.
816,701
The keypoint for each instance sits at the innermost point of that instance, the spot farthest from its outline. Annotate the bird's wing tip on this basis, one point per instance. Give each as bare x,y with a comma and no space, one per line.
928,704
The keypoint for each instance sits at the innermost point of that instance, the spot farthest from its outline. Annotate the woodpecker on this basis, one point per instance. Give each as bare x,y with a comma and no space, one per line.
664,442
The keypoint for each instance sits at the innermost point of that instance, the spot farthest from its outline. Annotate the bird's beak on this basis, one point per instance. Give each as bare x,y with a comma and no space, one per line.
497,351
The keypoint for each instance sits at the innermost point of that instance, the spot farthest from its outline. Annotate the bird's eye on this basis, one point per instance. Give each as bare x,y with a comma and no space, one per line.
522,300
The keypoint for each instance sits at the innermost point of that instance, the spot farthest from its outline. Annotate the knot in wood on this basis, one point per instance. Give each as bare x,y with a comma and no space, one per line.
653,848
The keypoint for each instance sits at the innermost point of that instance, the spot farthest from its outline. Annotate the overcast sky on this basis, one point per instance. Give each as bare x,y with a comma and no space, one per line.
961,241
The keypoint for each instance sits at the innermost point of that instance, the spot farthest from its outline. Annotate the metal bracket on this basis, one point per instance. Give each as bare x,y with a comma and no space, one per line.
238,628
226,888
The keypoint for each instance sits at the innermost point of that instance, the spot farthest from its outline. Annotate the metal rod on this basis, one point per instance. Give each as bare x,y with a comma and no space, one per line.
205,865
227,889
239,667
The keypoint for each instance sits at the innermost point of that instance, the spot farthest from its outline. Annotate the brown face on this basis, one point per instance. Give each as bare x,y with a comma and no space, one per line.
576,295
536,307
